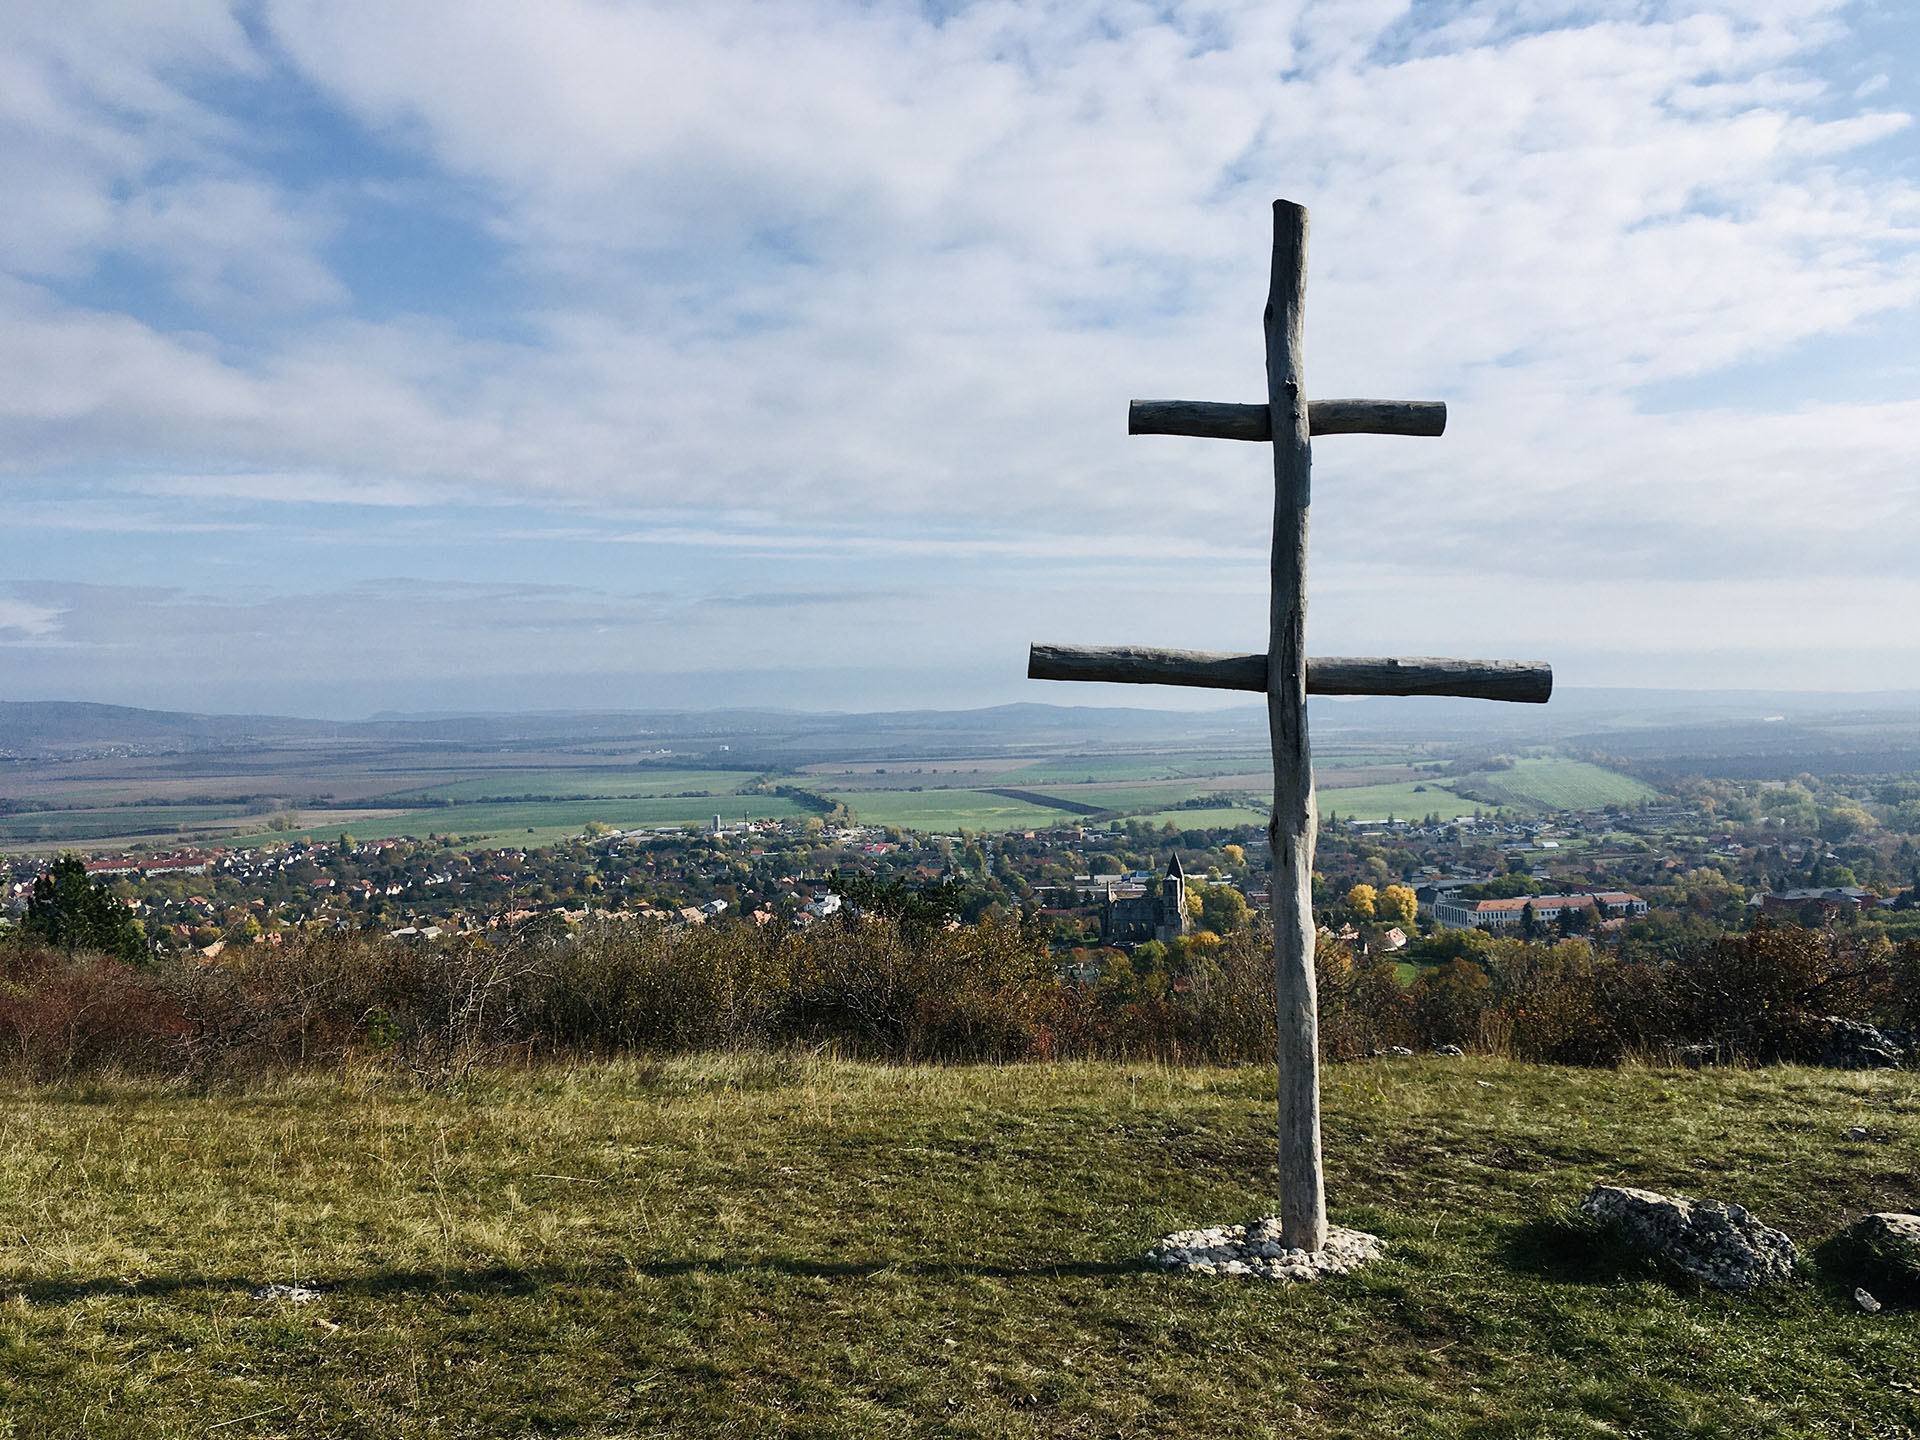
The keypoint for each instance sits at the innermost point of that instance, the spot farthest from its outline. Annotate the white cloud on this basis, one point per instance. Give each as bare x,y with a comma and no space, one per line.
92,106
25,620
230,244
841,281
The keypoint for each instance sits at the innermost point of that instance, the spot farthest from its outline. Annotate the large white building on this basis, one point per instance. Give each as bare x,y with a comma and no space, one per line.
1547,909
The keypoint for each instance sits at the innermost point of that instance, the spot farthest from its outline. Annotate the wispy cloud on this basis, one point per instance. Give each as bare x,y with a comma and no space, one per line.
22,620
859,292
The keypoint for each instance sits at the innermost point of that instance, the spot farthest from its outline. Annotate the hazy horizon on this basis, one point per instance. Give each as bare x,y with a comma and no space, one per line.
1159,700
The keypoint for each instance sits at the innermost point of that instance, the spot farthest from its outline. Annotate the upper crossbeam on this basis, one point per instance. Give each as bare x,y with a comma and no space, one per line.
1528,682
1215,421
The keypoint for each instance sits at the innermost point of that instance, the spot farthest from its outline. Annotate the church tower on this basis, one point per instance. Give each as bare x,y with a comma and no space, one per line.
1170,918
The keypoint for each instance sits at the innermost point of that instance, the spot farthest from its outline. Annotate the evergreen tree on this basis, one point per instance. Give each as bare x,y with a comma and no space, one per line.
69,910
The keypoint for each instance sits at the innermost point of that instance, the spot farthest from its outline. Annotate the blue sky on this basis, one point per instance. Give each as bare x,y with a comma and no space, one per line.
361,357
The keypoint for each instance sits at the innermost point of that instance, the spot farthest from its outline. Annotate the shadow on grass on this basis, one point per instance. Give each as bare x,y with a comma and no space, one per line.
1844,1263
495,1280
1573,1250
514,1280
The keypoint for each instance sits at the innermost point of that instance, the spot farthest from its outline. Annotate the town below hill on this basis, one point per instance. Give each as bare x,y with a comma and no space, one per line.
501,823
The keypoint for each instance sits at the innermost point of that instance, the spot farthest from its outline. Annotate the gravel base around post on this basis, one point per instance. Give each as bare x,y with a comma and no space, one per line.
1255,1250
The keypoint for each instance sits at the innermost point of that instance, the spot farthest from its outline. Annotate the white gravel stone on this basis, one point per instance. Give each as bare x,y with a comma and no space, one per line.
1255,1250
290,1294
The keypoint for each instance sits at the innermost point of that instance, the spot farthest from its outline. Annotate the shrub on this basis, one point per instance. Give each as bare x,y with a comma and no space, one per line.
1448,1003
61,1013
905,990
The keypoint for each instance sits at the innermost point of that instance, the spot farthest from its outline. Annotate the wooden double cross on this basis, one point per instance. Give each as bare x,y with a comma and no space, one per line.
1287,677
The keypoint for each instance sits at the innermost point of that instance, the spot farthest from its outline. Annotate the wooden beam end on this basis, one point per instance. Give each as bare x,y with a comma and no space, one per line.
1523,682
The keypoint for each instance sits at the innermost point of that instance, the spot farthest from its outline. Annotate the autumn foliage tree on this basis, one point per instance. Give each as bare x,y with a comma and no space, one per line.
1219,908
1398,905
1364,902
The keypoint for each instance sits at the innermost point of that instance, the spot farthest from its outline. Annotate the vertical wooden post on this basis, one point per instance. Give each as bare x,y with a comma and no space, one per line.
1303,1203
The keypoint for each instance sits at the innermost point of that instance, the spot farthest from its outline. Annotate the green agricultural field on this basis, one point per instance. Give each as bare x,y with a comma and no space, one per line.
1333,757
543,822
1088,770
1128,799
1408,800
47,827
948,810
1097,769
1557,784
603,784
1209,819
753,1245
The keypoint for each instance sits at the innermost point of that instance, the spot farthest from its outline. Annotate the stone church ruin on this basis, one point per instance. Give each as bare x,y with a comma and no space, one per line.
1159,913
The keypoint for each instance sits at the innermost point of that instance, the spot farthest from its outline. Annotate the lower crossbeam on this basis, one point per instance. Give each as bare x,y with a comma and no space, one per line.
1528,682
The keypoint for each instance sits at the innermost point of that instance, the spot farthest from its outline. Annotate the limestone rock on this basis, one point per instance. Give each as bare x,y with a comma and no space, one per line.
1865,1301
1890,1243
1852,1045
1255,1250
1890,1230
1716,1243
1832,1041
1698,1057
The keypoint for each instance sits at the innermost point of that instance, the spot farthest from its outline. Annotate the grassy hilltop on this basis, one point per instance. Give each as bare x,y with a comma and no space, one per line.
772,1245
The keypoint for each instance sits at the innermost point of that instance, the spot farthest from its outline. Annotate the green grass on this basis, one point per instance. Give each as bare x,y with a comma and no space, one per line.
1090,770
770,1246
1408,800
1110,769
1335,757
40,827
1555,784
1537,784
1093,769
543,822
948,810
1209,819
633,799
1130,799
622,784
1354,802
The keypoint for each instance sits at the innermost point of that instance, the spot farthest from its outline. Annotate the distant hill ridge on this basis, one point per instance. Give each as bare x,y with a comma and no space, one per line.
1728,732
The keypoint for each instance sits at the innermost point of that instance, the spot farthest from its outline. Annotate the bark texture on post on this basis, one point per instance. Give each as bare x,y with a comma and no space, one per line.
1527,682
1210,420
1303,1203
1147,665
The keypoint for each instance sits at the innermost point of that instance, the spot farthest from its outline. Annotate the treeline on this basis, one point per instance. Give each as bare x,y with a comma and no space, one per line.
800,795
902,989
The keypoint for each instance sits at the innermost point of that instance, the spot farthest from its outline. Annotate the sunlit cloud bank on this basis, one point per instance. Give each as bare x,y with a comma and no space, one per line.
695,303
